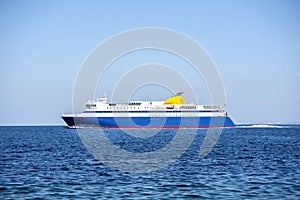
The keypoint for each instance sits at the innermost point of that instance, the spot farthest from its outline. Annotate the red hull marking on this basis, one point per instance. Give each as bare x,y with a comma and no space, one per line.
157,127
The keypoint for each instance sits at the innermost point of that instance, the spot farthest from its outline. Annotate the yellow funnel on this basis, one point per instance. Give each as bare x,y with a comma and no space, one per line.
175,100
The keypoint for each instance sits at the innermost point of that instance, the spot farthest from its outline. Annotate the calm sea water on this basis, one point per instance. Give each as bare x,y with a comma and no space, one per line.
51,162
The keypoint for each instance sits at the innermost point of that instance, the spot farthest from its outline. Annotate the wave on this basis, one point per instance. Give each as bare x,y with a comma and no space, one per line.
268,126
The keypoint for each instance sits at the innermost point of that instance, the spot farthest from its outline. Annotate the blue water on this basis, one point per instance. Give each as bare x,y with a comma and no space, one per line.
52,163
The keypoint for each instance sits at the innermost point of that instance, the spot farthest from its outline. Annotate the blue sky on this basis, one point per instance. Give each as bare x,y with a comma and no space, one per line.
254,44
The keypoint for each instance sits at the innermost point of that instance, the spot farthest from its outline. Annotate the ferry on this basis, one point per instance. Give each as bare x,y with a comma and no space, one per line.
171,113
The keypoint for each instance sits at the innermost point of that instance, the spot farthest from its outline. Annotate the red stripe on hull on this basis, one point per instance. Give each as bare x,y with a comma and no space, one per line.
153,127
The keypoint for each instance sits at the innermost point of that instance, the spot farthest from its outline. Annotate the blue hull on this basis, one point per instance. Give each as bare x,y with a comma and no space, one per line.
147,122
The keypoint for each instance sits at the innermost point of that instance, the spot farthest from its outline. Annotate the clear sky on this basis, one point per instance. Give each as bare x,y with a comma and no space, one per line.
254,44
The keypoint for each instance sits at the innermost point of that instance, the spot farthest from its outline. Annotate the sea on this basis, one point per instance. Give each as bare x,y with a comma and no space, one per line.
53,162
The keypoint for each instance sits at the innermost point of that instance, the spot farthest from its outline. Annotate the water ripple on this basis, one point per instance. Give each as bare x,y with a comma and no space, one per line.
51,162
